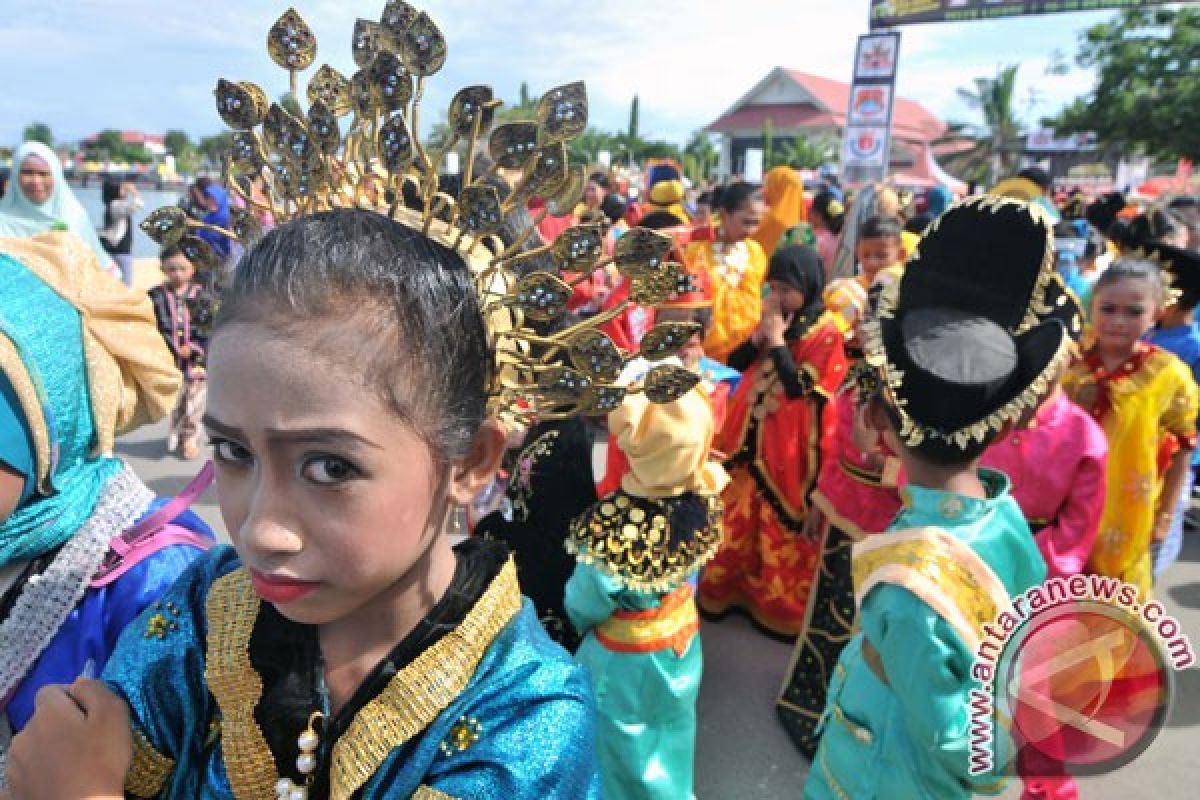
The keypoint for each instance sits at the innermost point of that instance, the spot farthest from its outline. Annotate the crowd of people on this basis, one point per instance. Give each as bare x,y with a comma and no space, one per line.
788,429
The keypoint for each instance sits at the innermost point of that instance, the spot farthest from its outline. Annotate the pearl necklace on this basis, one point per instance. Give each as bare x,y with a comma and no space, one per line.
306,762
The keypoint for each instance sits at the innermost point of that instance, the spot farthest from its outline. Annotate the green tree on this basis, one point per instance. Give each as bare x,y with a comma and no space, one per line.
214,149
802,152
992,148
1147,92
633,119
586,148
524,109
700,157
180,145
38,132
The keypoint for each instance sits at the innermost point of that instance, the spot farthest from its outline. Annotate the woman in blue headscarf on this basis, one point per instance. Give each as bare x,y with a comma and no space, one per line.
39,200
84,546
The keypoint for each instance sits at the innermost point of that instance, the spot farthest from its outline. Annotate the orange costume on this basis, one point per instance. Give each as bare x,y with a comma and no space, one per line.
737,271
774,438
783,191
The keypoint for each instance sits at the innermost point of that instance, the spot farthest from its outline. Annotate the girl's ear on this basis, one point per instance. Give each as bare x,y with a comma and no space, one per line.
474,472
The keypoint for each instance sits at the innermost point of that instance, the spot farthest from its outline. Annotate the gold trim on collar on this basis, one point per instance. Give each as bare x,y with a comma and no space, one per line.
417,694
149,770
939,569
232,609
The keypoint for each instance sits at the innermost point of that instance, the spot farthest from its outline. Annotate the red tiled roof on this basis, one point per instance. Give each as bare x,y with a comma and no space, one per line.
910,119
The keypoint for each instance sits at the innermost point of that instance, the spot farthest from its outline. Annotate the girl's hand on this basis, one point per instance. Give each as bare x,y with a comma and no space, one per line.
1162,526
773,327
78,744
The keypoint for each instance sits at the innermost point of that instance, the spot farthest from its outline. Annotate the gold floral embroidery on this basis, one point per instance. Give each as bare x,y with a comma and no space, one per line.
150,769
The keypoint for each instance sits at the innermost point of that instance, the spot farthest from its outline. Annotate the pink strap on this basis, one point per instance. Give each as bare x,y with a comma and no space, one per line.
154,532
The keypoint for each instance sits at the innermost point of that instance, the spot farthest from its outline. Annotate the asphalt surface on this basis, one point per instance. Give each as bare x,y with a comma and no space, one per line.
742,752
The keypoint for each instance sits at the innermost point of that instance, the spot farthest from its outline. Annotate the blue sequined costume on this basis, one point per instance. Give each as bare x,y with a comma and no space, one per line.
80,360
492,709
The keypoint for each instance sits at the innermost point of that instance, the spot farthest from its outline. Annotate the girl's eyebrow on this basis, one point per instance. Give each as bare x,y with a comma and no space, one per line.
319,435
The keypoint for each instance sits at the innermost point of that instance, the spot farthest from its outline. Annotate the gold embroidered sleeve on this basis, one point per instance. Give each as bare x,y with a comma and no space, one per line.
149,771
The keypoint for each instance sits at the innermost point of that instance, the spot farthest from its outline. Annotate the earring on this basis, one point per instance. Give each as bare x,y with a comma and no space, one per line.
306,762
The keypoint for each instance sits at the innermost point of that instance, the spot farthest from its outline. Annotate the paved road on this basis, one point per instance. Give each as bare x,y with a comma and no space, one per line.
742,753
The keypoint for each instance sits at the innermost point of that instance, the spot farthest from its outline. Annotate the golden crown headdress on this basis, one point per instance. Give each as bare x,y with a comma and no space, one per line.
310,165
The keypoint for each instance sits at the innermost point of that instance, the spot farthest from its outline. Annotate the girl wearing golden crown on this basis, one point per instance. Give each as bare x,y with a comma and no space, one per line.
342,647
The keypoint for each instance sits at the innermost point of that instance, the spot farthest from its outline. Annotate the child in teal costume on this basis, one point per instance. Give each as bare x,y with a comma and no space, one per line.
630,598
897,716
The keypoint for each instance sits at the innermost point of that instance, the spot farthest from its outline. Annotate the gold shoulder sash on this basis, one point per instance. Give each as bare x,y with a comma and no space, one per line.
149,770
939,569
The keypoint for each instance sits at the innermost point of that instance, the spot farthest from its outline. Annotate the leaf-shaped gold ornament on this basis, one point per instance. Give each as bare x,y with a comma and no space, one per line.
641,251
549,170
397,17
246,151
197,251
323,127
567,196
479,209
291,42
541,296
295,180
592,352
286,135
423,46
166,225
667,383
396,144
577,248
468,103
666,339
244,223
392,81
562,384
562,113
237,105
650,289
601,399
364,42
364,94
512,144
332,88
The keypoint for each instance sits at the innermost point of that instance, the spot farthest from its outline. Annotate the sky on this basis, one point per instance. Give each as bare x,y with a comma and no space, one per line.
85,65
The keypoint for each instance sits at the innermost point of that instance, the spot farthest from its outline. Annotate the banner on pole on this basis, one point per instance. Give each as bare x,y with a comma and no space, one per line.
889,13
866,140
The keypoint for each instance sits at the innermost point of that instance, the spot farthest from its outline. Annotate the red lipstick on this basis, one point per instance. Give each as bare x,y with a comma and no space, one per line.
277,589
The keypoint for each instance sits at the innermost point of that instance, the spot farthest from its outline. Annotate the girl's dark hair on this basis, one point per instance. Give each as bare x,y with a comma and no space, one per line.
821,204
600,179
613,205
1144,229
170,251
398,306
735,196
1129,267
936,451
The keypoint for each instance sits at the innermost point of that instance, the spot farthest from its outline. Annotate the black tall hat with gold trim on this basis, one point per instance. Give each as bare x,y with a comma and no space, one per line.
965,342
1182,266
1065,306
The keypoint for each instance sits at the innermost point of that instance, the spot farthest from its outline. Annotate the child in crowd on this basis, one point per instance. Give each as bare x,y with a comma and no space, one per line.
778,418
359,367
896,718
184,311
84,545
879,247
1176,333
856,496
737,266
631,600
1146,400
827,216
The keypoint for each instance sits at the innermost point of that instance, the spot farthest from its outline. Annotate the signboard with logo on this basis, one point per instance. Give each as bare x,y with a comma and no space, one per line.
866,139
1044,141
889,13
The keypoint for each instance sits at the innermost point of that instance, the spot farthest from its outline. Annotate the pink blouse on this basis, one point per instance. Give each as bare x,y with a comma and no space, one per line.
1057,468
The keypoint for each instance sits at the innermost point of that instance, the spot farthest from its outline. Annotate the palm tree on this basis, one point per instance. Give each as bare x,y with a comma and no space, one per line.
995,146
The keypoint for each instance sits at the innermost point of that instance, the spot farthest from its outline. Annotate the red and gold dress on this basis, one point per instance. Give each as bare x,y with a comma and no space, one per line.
773,434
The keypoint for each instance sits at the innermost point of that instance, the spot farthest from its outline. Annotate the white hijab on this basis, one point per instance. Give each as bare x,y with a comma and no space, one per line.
20,218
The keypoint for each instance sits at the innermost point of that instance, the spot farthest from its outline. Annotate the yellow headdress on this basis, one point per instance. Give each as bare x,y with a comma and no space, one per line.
359,134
